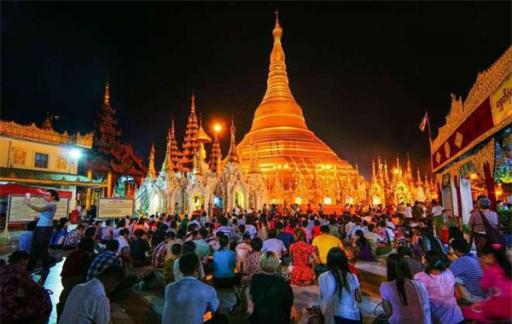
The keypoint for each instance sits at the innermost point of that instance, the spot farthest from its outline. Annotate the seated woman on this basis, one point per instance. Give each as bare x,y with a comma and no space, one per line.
22,300
270,295
252,261
363,247
302,257
440,284
139,249
339,290
404,300
224,264
59,236
497,280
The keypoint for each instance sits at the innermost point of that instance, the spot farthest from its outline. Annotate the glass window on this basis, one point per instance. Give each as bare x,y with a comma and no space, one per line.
41,160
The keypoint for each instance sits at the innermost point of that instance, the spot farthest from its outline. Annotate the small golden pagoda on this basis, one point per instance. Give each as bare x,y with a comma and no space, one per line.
290,155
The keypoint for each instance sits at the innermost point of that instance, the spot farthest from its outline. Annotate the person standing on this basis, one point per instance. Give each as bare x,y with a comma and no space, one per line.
43,231
476,222
301,254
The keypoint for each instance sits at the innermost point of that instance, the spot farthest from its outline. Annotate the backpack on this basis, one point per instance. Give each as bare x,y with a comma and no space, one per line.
493,235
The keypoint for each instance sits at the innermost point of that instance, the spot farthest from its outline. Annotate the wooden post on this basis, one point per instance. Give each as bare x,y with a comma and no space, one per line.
489,184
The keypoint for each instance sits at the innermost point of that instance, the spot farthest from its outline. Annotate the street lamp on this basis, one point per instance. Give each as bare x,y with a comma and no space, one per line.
75,153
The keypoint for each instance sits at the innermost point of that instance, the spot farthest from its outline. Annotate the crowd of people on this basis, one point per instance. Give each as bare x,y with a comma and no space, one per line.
247,262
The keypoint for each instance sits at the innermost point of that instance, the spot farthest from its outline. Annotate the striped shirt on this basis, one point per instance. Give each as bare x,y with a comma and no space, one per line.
467,269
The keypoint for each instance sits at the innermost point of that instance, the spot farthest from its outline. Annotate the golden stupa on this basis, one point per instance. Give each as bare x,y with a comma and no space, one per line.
297,165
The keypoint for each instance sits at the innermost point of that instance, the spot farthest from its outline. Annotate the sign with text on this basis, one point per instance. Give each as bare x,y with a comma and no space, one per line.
115,207
18,211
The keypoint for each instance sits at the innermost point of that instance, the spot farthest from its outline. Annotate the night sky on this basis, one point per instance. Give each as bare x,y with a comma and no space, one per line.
364,73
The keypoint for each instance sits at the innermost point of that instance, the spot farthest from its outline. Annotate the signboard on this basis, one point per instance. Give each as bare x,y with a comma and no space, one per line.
115,207
501,101
19,212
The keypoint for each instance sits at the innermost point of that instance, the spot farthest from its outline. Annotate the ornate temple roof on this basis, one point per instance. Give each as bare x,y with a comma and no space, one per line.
48,178
279,133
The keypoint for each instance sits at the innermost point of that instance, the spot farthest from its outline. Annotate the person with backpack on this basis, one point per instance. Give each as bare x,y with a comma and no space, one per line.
483,223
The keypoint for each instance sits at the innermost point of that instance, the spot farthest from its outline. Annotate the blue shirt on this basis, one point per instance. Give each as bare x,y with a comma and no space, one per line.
187,300
46,215
287,238
467,268
25,241
224,262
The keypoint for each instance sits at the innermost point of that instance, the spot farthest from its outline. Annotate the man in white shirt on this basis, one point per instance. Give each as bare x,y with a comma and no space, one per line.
408,211
274,244
88,302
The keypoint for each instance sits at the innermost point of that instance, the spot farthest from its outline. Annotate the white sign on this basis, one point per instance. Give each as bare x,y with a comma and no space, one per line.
18,211
115,207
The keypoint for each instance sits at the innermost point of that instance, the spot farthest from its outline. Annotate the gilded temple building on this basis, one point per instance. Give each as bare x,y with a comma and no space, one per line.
297,166
472,152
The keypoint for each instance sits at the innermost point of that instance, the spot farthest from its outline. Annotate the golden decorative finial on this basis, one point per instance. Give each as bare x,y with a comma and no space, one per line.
151,162
106,95
233,152
172,126
193,102
277,81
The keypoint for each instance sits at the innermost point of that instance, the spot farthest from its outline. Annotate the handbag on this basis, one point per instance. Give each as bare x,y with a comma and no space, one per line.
493,235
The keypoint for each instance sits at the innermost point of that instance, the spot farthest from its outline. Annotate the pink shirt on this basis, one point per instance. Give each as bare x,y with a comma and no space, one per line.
440,287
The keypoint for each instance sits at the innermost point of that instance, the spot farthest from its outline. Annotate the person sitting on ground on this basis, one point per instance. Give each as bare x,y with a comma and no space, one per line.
467,271
242,250
107,231
189,299
284,236
22,300
224,265
73,238
104,260
440,284
74,270
271,296
388,236
188,246
363,247
123,244
253,257
497,281
160,252
88,302
274,244
169,262
25,240
404,300
302,256
60,234
323,244
202,247
339,290
139,248
414,265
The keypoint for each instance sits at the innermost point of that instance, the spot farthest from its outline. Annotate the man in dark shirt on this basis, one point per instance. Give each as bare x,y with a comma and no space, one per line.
139,246
287,238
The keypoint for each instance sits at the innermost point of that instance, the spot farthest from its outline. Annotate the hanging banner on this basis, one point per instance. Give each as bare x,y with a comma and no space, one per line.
501,101
18,211
115,207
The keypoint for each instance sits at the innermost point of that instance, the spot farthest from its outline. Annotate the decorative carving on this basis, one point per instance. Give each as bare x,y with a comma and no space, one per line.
447,149
19,156
458,139
485,84
48,136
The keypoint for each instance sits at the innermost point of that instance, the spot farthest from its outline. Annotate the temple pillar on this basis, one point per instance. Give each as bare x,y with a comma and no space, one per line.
456,182
489,184
88,191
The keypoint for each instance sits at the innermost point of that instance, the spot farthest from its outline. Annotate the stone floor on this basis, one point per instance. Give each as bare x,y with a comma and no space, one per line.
146,306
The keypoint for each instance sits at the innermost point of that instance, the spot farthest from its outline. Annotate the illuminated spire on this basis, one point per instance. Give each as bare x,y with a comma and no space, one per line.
374,176
418,178
190,144
386,172
277,82
151,162
233,156
106,95
215,155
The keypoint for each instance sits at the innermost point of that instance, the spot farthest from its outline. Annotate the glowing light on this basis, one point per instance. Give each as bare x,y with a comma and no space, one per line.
498,190
327,200
395,171
217,128
473,176
75,153
298,200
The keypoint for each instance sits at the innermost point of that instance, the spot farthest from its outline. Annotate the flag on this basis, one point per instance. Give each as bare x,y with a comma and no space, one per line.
424,122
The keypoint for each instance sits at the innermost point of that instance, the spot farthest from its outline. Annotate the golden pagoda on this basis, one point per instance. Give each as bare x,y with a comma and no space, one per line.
285,147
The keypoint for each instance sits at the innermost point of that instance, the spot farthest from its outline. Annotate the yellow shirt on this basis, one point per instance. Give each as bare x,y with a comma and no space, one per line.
324,243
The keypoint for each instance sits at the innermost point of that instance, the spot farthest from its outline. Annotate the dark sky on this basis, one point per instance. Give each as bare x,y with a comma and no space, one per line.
364,73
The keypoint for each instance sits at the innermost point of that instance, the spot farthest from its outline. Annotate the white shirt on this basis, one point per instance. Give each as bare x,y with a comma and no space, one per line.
346,306
274,245
123,243
437,211
87,303
408,212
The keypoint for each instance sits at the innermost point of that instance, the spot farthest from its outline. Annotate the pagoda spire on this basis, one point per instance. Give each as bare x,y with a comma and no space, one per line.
170,160
215,155
107,132
174,156
233,156
277,81
374,176
151,162
386,172
190,143
418,178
